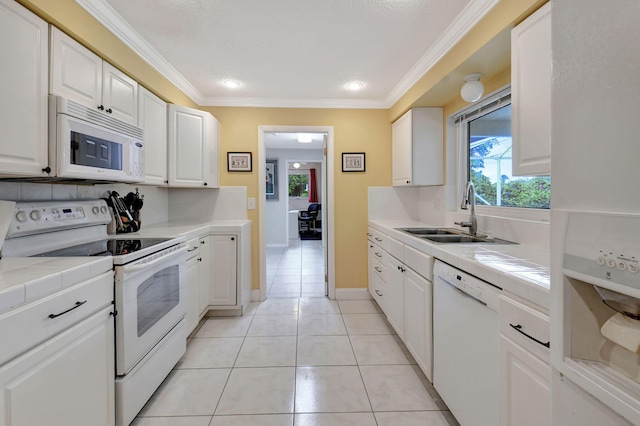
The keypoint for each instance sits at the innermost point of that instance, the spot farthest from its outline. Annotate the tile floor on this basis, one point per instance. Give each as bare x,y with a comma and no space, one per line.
297,358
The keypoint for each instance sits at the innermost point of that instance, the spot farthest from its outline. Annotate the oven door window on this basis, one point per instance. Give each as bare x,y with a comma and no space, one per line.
157,296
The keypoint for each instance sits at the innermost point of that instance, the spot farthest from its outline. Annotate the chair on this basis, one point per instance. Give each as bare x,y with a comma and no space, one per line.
308,220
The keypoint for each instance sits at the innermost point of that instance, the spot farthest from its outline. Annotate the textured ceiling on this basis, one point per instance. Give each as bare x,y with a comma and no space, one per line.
296,52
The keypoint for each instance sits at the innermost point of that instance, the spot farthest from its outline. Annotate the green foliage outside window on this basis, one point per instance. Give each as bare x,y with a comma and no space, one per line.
298,185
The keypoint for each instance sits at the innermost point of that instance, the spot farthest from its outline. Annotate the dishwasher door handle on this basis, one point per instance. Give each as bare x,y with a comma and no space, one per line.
483,303
518,328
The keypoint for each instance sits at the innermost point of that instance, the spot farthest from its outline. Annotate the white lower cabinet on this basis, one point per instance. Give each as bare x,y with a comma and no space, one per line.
398,283
524,365
204,278
224,261
418,300
67,380
193,282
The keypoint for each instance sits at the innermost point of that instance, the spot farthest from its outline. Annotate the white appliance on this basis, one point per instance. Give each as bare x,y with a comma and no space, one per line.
594,168
466,342
88,144
149,288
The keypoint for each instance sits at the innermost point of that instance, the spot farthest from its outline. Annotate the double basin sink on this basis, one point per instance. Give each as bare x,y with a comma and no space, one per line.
448,235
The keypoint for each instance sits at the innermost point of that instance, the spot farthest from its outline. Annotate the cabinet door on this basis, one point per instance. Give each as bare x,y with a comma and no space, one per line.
394,277
188,147
417,320
204,282
24,49
531,94
152,118
119,94
193,283
76,72
401,135
526,392
224,266
69,378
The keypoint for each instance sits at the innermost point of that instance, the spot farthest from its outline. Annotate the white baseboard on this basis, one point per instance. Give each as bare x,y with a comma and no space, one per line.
352,294
277,245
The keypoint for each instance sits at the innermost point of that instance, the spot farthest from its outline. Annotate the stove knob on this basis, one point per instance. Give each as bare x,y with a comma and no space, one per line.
35,215
21,216
103,209
95,209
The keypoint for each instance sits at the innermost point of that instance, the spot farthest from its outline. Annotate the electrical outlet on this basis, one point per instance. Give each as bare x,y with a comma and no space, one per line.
251,203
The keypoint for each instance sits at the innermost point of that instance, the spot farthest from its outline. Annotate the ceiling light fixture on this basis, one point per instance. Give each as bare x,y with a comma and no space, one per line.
231,84
296,165
304,137
472,89
355,85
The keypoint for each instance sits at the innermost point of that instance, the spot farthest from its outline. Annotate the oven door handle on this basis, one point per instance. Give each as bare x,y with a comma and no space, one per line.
162,259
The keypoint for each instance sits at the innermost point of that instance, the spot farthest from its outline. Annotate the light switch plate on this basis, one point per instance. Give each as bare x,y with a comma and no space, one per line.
251,203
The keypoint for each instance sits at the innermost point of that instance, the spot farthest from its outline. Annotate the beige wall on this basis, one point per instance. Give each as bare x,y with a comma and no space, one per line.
366,131
355,130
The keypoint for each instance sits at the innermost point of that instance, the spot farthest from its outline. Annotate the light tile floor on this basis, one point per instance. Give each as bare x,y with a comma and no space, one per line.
299,359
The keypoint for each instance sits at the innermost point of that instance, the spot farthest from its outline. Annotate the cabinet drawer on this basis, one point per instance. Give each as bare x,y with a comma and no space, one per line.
31,324
394,247
379,268
379,254
525,326
419,262
376,237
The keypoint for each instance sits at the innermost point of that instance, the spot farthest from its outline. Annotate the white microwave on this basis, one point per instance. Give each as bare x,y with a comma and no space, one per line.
90,145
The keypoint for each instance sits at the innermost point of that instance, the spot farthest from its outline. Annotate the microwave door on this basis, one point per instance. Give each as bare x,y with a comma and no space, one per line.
95,152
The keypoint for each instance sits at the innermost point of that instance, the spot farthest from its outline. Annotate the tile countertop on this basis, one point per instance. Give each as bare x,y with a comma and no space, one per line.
516,268
27,279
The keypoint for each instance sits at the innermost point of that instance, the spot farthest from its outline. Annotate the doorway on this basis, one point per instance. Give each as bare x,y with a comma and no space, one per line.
264,137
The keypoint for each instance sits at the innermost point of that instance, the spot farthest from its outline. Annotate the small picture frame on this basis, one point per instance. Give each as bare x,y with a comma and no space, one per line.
239,161
271,183
353,162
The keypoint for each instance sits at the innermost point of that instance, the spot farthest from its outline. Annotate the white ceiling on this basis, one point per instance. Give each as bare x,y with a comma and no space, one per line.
293,53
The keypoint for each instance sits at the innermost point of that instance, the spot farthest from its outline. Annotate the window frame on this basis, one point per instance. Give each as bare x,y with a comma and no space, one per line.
459,128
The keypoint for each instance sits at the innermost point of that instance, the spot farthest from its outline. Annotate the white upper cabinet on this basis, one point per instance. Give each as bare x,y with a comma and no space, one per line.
531,94
193,148
417,148
23,108
152,118
80,75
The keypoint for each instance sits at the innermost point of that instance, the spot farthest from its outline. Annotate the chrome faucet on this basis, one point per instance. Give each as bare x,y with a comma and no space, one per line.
469,198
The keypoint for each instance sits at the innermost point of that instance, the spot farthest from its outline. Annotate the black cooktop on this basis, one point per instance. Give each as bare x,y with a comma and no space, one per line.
110,247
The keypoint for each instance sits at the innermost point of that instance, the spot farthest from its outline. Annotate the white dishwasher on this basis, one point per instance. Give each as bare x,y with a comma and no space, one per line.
466,345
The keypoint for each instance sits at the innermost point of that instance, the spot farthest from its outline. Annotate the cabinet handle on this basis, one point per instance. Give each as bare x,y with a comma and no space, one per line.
518,328
195,248
369,234
101,107
76,306
202,242
371,246
47,170
377,239
199,259
378,254
377,269
408,181
233,238
378,293
205,184
402,269
109,111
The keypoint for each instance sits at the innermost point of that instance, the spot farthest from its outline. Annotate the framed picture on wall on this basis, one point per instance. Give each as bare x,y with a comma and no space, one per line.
272,179
239,161
353,161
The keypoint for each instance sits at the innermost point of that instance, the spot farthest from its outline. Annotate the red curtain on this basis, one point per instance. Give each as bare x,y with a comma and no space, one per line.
313,191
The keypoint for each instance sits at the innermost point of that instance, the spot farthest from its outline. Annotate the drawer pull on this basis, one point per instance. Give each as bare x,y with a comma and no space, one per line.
369,234
378,254
76,306
378,293
518,328
377,269
377,239
195,248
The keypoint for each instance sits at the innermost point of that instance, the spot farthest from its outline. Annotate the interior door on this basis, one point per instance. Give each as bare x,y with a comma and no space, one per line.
323,213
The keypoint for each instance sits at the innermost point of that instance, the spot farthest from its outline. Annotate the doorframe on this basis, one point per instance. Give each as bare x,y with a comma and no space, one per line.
329,197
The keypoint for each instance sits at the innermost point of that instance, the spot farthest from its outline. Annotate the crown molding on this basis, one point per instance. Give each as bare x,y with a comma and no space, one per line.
107,16
468,18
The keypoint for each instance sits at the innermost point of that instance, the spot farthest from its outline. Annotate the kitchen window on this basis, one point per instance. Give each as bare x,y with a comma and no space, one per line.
484,135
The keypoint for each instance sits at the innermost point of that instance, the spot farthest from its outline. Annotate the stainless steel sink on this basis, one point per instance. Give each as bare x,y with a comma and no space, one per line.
464,239
429,231
451,236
